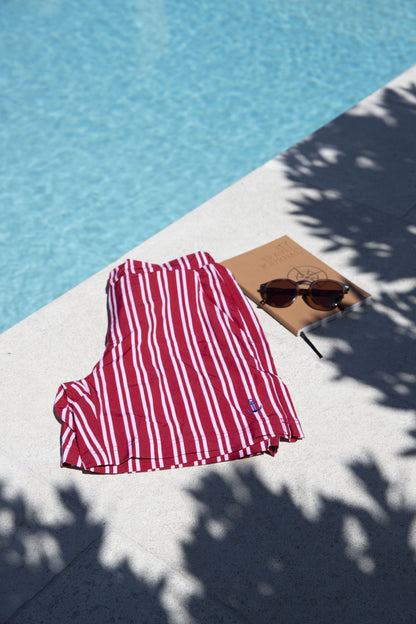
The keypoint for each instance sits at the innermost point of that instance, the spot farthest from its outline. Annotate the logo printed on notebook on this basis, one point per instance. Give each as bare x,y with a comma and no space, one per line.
310,273
253,404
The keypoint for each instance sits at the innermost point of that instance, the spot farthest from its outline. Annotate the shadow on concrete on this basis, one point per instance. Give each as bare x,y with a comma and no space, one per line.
362,168
255,554
259,555
53,573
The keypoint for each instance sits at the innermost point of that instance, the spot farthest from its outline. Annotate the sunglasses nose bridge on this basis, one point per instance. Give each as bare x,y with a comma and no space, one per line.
303,290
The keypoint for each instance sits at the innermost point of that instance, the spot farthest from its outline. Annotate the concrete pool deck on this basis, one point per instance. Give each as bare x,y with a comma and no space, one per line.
325,531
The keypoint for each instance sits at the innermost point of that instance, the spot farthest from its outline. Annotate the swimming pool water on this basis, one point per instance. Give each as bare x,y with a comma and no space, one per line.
116,118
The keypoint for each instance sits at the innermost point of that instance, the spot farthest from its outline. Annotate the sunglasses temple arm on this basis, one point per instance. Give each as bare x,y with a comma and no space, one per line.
310,343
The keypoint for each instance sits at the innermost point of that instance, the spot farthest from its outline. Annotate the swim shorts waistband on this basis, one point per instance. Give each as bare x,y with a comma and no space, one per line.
193,261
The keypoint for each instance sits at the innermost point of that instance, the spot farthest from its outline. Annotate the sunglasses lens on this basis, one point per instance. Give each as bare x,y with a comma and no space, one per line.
326,293
280,293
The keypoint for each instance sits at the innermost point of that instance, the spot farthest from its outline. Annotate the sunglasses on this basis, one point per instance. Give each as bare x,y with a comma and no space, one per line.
321,295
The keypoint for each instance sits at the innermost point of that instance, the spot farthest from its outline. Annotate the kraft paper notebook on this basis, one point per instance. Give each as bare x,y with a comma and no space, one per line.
283,258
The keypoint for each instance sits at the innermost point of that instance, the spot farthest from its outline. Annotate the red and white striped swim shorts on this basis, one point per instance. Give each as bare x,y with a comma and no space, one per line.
187,376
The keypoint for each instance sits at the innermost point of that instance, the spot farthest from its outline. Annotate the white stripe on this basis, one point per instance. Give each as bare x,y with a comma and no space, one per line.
67,416
184,260
68,433
108,411
85,395
105,421
174,352
147,401
67,444
105,458
81,421
163,381
117,347
204,322
221,369
194,352
235,348
223,372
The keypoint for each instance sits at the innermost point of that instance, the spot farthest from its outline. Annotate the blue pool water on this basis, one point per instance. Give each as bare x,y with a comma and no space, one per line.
117,117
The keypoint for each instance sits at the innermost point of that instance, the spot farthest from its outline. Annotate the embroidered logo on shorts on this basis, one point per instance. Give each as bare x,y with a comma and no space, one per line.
253,405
